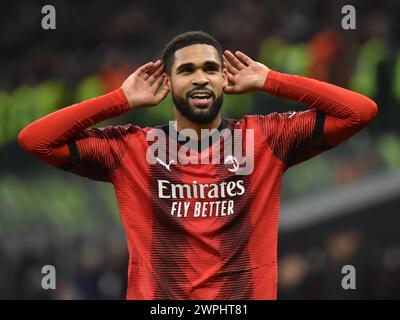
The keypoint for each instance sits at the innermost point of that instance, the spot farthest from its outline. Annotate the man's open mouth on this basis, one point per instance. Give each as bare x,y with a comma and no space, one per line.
201,98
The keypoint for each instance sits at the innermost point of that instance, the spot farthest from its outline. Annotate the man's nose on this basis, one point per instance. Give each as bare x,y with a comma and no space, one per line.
200,79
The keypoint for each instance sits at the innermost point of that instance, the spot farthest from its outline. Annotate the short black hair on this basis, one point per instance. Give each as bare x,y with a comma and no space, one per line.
186,39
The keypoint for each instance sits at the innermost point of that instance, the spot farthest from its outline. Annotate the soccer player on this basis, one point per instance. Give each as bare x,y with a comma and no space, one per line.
199,230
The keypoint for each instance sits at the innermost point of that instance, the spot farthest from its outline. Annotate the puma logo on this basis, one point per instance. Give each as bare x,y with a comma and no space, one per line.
164,164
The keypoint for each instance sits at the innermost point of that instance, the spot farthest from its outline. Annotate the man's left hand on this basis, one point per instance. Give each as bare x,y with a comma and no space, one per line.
244,74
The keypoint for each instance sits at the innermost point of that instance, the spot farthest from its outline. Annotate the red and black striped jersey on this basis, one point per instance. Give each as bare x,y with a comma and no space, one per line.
195,230
198,229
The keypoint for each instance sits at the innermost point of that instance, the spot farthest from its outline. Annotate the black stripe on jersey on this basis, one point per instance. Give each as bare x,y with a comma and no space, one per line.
318,134
74,156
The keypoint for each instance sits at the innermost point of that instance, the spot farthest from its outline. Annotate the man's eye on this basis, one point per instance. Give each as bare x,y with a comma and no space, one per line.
211,70
187,70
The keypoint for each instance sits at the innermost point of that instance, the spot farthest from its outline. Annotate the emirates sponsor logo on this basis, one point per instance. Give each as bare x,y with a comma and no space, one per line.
212,199
167,190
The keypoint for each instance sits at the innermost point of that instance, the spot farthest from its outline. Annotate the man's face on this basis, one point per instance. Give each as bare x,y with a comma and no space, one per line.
197,82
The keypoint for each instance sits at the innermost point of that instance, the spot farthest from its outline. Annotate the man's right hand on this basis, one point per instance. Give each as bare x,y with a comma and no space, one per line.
141,87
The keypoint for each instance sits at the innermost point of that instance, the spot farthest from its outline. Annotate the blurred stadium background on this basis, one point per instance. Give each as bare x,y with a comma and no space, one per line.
339,208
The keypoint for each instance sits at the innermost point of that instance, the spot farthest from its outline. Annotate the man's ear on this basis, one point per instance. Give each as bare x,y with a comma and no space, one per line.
166,81
225,76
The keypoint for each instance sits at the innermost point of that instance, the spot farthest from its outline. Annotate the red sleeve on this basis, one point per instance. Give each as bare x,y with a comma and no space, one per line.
97,153
63,140
336,115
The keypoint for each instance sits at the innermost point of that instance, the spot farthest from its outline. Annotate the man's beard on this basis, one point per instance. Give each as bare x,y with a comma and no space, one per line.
198,115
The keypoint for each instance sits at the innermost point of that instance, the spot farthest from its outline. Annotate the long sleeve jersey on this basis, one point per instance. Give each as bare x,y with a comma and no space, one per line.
198,230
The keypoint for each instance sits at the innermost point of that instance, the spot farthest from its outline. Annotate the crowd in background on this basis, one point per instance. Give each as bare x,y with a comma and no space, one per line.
96,45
